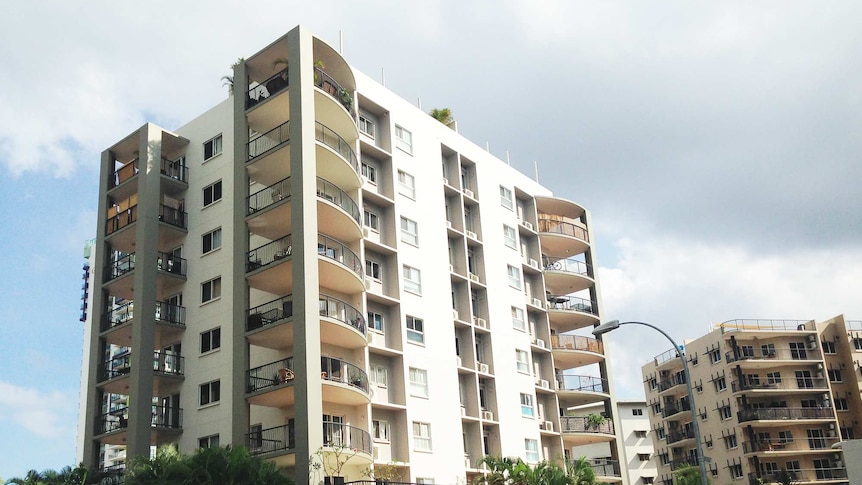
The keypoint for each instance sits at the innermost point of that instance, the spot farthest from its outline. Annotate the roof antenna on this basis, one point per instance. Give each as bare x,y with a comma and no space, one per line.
487,147
507,158
340,42
383,76
419,102
536,167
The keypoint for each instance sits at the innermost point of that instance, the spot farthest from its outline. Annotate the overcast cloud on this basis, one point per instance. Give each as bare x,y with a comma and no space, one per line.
716,144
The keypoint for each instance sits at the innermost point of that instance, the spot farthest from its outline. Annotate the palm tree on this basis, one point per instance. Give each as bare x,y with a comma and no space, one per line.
443,115
79,475
207,466
513,471
168,467
581,471
688,475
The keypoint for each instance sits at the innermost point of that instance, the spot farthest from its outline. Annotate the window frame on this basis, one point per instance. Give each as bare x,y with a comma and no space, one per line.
518,315
207,441
422,437
411,238
527,408
374,318
373,269
214,286
380,430
212,338
213,393
412,285
375,371
507,229
415,327
216,142
402,142
216,193
522,365
371,219
418,388
514,275
215,234
406,185
510,199
363,123
531,450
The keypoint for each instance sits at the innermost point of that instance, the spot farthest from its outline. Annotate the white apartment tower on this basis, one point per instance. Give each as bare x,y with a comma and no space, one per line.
314,264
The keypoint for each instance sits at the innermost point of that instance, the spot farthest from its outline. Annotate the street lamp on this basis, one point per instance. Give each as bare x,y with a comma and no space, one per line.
615,324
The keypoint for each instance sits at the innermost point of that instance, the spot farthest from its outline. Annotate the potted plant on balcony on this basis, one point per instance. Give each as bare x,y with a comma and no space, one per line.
595,420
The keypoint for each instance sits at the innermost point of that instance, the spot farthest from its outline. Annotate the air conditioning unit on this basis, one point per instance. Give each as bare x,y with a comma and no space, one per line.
543,383
365,231
482,367
819,366
537,302
527,224
825,397
469,193
540,343
459,361
449,224
812,338
367,283
455,314
474,277
467,463
471,234
548,426
534,263
812,345
488,415
463,410
832,426
445,181
480,322
838,464
376,452
830,434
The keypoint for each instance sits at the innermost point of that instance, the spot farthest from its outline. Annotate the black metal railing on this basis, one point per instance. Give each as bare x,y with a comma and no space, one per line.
330,138
167,417
674,381
268,253
121,220
342,311
583,424
328,191
172,264
671,408
568,382
271,440
170,313
121,365
576,342
125,172
115,367
172,216
269,313
800,475
605,468
265,142
118,419
333,88
792,444
268,196
259,92
168,363
119,315
175,169
565,228
683,462
269,375
339,252
786,383
679,435
120,266
572,303
346,436
765,414
566,265
337,370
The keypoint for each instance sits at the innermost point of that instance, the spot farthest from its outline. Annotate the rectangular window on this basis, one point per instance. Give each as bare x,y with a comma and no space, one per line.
375,321
720,384
531,450
506,198
212,147
211,340
773,377
730,442
366,126
714,356
372,269
379,375
211,241
527,405
380,430
841,404
421,436
736,471
371,220
637,412
415,330
523,361
660,433
409,231
643,456
403,139
412,279
406,184
835,375
518,319
724,412
424,481
212,193
510,237
211,290
210,392
828,347
514,277
418,382
640,434
208,442
369,171
857,344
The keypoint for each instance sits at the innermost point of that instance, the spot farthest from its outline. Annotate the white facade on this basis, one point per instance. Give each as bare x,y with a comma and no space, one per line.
328,265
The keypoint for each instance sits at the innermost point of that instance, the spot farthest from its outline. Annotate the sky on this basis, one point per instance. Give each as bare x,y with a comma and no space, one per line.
716,145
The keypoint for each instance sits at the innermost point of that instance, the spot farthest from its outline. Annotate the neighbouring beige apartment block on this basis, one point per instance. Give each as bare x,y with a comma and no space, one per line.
315,263
772,397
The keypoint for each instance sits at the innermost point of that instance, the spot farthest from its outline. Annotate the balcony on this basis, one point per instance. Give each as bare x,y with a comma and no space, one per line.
272,384
568,313
273,442
669,409
779,446
560,235
775,357
113,374
668,384
580,430
173,217
269,212
341,323
784,414
606,470
336,160
165,421
121,219
333,88
175,170
803,475
344,382
336,259
337,213
260,92
566,275
265,321
572,351
170,322
574,390
124,172
814,384
261,260
680,435
120,267
755,327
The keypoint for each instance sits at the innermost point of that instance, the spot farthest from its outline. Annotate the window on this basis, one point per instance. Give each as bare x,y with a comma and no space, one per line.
375,321
735,471
514,277
506,197
418,382
366,126
212,147
643,456
509,237
656,408
421,436
664,458
714,356
773,377
406,184
724,412
212,193
412,280
804,380
847,433
660,433
527,405
403,139
211,241
647,480
208,442
211,340
637,412
797,351
653,384
409,231
379,375
768,350
371,220
720,384
835,375
828,347
857,343
531,450
415,330
841,404
730,442
640,434
210,392
753,379
380,430
518,319
523,361
211,290
372,269
708,443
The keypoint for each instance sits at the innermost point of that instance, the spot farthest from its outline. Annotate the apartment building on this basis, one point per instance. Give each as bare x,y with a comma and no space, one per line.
323,273
772,396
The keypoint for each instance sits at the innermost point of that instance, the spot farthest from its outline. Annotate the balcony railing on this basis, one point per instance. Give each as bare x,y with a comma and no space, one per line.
170,313
330,138
125,172
775,354
765,325
328,191
669,409
337,251
342,311
171,264
565,228
566,265
115,367
168,363
582,424
793,444
676,380
269,253
814,383
165,313
172,216
260,92
568,382
269,313
163,362
119,315
683,434
682,462
331,87
271,440
118,419
269,375
572,303
120,267
268,196
576,342
337,370
605,468
767,414
121,220
265,142
346,436
801,475
175,169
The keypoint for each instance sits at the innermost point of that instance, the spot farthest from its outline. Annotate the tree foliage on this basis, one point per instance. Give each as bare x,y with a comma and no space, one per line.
688,475
513,471
207,466
443,115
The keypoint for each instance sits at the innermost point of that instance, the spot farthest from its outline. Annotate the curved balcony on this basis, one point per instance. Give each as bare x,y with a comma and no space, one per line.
567,313
258,92
277,443
272,384
333,104
781,415
269,267
166,423
113,374
337,213
341,323
340,435
270,325
566,275
116,325
572,351
336,160
339,268
575,390
791,446
269,155
579,430
269,210
343,382
562,236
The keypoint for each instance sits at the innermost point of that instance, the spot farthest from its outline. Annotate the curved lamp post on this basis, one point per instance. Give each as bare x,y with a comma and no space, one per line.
615,324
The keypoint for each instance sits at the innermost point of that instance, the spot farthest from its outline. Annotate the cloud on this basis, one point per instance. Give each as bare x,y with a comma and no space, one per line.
44,414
